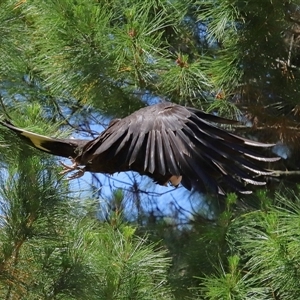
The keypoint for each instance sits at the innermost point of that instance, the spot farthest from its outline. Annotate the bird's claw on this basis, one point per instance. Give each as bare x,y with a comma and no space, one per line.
67,169
77,174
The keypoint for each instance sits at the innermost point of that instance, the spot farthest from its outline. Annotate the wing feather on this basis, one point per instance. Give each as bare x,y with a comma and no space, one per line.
123,142
137,146
129,150
170,158
152,155
147,150
160,158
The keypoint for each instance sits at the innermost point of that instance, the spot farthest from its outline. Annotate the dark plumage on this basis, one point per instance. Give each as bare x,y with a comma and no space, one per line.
167,142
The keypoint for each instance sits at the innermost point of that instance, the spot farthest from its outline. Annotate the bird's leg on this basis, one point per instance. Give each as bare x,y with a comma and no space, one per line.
73,167
77,174
68,168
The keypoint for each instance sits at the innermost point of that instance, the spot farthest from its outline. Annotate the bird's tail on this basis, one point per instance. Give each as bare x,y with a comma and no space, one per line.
60,147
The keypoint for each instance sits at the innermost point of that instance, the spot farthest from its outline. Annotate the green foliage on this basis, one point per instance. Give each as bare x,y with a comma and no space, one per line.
65,64
48,251
94,44
13,53
265,255
53,247
128,267
228,285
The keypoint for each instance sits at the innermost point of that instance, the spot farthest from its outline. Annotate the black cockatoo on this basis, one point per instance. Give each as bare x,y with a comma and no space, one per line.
169,143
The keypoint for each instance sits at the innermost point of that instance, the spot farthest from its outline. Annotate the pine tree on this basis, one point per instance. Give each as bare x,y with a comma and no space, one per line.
53,246
68,65
264,254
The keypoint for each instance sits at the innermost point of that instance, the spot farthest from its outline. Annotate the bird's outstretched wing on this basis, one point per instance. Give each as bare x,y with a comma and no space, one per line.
169,142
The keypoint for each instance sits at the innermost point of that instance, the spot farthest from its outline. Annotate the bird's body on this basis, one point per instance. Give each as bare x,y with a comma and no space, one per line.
167,142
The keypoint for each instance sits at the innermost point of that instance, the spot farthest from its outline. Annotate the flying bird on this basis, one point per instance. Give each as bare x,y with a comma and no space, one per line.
169,143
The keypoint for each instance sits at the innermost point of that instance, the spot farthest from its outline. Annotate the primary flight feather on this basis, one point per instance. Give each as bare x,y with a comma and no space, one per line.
167,142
